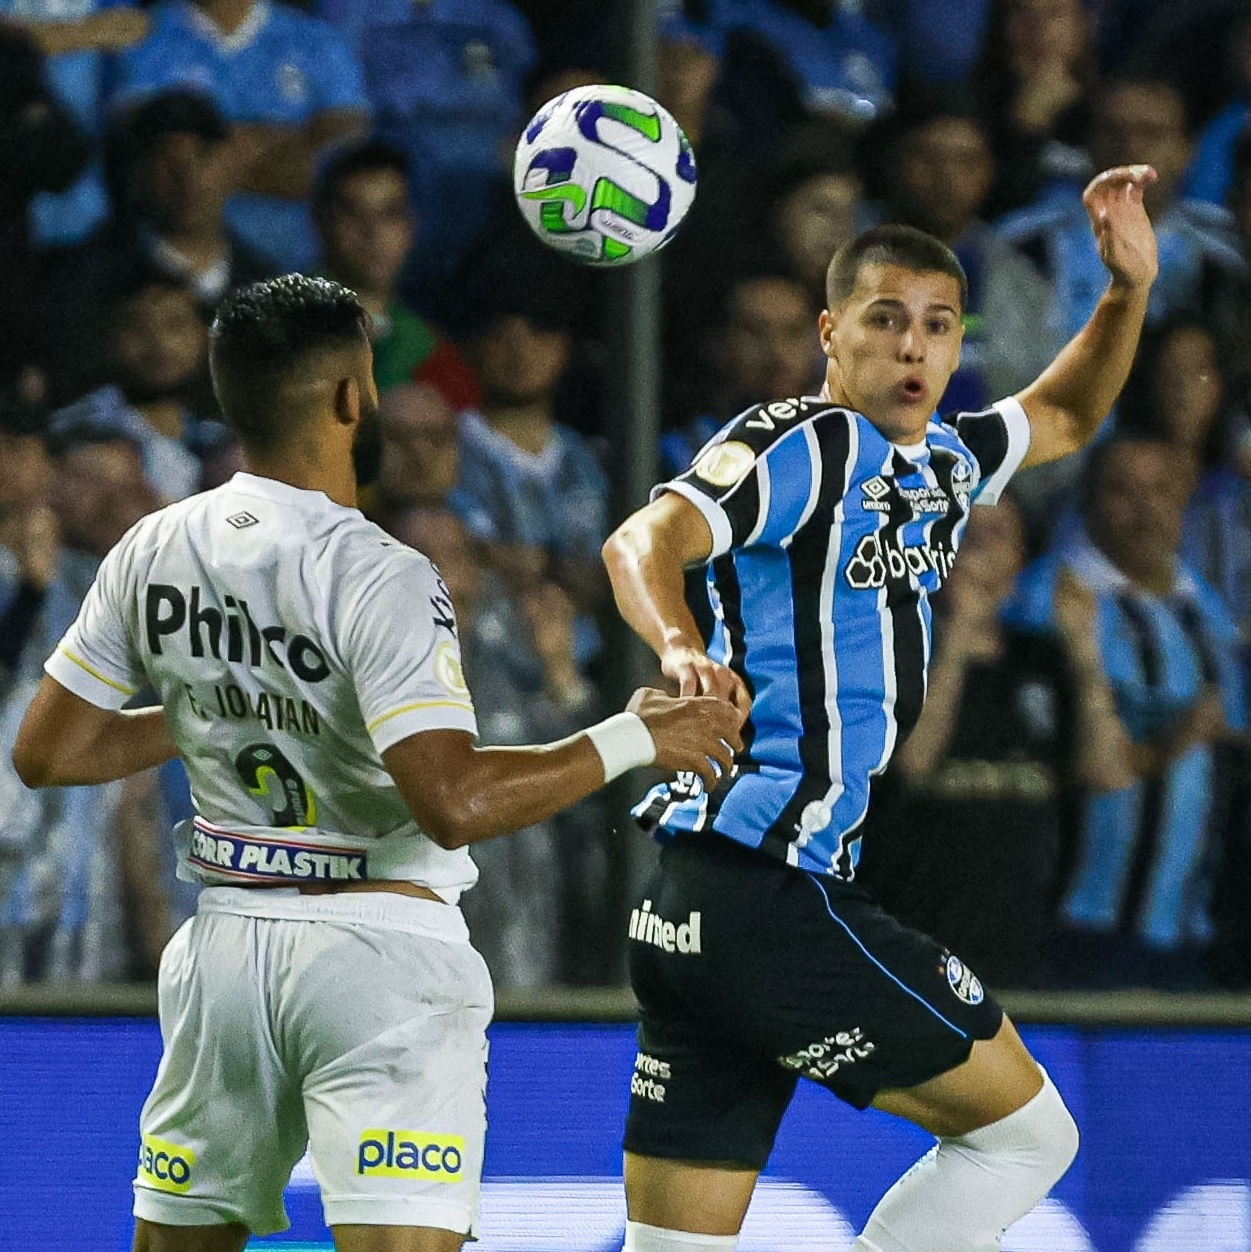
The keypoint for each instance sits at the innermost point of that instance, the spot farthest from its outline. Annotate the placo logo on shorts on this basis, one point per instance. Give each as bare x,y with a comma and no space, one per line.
411,1154
963,981
164,1165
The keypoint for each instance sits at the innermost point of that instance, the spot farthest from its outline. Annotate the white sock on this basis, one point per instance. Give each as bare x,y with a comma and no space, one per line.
641,1238
968,1189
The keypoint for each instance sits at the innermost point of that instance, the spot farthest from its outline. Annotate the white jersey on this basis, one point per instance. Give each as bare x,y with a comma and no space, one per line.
291,642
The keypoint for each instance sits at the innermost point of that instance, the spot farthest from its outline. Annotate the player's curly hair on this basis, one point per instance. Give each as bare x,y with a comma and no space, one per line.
278,320
265,334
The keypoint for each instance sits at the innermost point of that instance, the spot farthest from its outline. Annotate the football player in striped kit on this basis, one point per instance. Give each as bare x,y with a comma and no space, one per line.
825,524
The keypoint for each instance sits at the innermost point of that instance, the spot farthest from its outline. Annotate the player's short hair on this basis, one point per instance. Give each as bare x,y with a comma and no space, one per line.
264,334
364,156
893,244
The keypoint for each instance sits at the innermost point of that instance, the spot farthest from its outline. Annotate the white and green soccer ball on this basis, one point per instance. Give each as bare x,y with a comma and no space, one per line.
604,174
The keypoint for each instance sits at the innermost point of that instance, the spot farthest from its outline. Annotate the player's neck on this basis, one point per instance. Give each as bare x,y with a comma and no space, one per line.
307,469
907,429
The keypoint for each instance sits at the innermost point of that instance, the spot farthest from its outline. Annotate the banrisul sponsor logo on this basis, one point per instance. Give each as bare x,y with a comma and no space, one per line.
880,559
191,617
164,1165
649,927
385,1153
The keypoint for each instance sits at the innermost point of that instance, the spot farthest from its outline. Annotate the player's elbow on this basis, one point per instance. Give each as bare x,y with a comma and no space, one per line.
33,767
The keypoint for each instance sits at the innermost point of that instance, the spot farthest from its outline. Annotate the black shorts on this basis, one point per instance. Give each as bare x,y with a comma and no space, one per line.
751,974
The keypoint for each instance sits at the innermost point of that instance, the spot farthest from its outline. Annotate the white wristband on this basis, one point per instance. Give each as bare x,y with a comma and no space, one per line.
623,742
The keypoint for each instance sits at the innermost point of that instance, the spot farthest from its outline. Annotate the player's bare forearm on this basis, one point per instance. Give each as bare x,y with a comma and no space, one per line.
1072,396
490,791
462,794
64,741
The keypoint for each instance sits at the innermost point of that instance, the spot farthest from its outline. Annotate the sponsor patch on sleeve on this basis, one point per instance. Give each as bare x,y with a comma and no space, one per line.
725,464
447,669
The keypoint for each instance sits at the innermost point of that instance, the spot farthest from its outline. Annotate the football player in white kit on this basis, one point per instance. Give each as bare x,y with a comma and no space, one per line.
325,993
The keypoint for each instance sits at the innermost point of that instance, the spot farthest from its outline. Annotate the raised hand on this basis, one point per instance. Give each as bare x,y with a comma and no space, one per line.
1122,229
698,734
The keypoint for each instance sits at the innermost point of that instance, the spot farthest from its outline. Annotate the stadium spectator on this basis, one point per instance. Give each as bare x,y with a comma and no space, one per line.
1135,880
537,493
171,167
1142,121
1178,393
366,230
935,163
518,654
61,915
286,82
75,39
419,457
39,150
816,203
761,345
844,64
934,42
156,357
1210,174
1034,83
1226,299
965,833
446,86
28,533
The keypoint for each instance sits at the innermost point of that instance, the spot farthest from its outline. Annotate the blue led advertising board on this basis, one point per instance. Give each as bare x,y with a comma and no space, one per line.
1165,1163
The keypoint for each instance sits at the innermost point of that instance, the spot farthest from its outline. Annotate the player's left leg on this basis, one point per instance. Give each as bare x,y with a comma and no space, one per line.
1004,1139
666,1197
395,1239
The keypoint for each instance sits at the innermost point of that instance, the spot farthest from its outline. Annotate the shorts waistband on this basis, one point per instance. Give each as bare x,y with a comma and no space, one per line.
385,909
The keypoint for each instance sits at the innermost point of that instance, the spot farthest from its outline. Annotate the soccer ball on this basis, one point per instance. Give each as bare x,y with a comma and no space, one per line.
604,174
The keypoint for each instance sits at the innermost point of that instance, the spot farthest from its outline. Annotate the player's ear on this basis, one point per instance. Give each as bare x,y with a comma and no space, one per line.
825,332
347,402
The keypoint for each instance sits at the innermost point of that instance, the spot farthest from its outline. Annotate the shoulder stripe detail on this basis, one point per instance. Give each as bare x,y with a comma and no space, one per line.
420,704
95,673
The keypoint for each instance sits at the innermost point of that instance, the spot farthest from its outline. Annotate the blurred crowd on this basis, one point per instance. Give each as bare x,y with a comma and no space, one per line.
1073,808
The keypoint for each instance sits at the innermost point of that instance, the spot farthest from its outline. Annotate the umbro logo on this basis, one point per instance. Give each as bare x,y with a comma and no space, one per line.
240,521
875,492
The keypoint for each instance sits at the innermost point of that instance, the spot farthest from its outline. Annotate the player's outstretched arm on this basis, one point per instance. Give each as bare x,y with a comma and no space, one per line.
1069,399
65,741
646,557
462,794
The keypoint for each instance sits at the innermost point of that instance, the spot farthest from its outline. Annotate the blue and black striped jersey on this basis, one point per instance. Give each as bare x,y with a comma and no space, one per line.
827,542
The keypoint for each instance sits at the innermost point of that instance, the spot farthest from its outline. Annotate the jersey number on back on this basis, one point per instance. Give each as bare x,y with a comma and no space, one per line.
269,776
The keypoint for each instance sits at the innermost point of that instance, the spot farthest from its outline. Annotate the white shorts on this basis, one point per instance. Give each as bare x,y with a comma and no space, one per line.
358,1029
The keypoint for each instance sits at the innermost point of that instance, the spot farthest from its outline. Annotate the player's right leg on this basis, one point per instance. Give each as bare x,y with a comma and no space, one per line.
705,1100
154,1237
223,1126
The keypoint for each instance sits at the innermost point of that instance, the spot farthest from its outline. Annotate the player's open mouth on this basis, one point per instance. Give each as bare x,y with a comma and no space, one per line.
911,389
